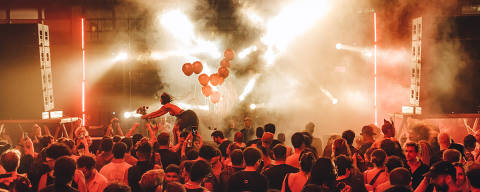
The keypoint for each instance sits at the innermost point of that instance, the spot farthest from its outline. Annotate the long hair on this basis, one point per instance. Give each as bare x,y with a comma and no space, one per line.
323,173
166,98
340,147
425,152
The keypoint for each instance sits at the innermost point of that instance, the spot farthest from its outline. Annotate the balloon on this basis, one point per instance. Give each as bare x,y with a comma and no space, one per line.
203,79
221,79
223,72
187,68
207,90
225,63
229,54
214,79
215,97
197,67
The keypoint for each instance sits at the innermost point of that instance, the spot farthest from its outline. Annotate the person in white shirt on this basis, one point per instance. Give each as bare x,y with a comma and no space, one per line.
115,170
94,180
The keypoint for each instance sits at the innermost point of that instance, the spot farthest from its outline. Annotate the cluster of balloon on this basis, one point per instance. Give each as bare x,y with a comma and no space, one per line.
188,68
215,79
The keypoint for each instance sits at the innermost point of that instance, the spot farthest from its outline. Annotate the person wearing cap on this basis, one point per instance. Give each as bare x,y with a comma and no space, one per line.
367,139
441,176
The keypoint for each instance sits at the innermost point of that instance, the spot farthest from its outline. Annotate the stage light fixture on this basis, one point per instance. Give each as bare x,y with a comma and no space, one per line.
127,115
338,46
253,106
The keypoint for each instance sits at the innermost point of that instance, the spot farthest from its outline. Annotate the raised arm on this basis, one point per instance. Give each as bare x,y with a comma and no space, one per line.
130,132
157,113
151,133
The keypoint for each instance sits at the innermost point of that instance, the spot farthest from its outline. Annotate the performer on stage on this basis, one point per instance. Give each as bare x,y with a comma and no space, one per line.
186,120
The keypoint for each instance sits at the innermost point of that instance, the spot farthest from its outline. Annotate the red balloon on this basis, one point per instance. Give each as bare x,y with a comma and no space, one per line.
225,62
197,67
221,79
203,79
229,54
215,79
187,68
207,90
215,97
223,72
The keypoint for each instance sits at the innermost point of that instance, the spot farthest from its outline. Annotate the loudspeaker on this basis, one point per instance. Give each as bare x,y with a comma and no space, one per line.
25,71
445,65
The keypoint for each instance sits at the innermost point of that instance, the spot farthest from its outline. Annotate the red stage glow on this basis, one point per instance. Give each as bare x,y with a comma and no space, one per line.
83,74
375,66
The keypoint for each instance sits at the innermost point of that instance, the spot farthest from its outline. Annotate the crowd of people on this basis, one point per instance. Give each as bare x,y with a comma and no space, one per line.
255,160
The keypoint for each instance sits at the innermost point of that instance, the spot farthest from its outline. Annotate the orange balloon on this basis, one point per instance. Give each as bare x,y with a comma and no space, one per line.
203,79
197,67
215,79
221,80
229,54
215,97
187,68
207,90
223,72
225,63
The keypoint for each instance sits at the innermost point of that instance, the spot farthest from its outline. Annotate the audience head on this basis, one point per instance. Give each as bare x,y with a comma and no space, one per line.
400,177
442,175
323,173
444,140
192,153
119,150
340,147
343,164
378,157
388,129
411,151
259,132
349,136
128,142
281,137
393,162
174,187
473,175
172,173
54,151
106,145
10,160
217,137
252,156
307,160
451,156
163,139
267,139
165,98
469,142
143,151
460,176
367,131
280,152
200,169
238,137
270,128
236,156
425,152
117,187
152,180
298,140
116,139
87,165
209,153
310,127
63,170
418,133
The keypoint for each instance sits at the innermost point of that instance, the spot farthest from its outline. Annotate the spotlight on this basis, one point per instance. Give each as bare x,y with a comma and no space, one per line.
339,46
334,101
253,106
367,53
127,115
121,56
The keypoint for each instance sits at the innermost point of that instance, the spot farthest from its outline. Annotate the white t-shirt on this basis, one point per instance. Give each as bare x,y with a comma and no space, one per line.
115,171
